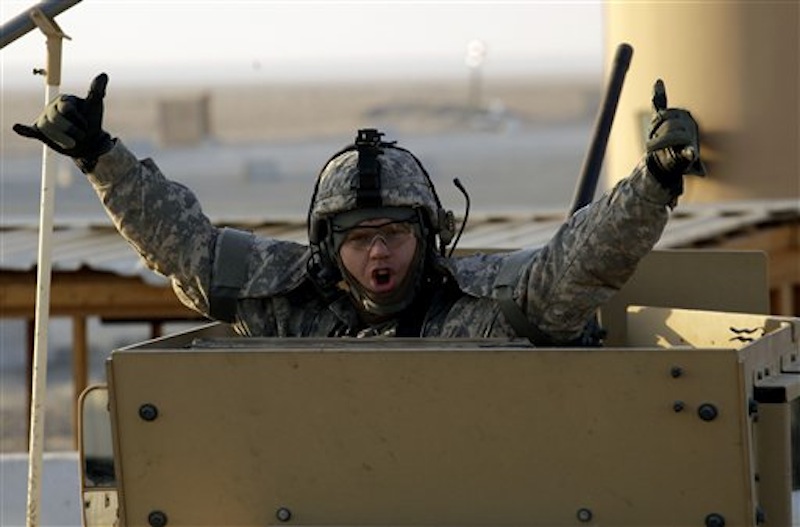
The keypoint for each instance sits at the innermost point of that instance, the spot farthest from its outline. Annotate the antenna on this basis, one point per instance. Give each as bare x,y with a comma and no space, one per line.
584,193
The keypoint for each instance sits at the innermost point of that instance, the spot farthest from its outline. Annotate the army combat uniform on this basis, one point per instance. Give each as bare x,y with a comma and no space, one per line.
555,288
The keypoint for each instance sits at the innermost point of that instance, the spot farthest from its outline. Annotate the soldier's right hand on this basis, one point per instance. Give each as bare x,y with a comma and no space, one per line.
73,126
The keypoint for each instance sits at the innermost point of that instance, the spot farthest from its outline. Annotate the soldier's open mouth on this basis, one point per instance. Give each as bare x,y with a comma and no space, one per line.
382,276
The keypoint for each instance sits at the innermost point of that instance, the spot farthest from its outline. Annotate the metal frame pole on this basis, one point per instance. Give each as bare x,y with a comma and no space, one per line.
39,370
23,22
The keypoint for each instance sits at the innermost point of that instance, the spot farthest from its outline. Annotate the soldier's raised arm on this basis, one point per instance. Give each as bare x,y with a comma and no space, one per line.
597,250
161,219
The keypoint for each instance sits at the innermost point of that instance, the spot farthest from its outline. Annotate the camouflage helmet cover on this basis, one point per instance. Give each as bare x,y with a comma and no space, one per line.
403,183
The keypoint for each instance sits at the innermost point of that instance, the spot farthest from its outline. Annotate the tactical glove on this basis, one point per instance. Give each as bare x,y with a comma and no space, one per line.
673,143
73,126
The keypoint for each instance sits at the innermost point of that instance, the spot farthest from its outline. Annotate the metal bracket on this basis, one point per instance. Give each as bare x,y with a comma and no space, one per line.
782,388
55,36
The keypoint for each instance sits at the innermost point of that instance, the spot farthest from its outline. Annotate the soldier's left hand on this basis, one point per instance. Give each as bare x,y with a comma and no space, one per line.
673,143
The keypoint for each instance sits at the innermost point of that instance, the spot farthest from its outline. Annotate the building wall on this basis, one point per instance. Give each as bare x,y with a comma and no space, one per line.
734,65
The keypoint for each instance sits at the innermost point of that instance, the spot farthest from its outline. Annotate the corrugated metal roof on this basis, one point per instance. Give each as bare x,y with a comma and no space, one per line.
101,248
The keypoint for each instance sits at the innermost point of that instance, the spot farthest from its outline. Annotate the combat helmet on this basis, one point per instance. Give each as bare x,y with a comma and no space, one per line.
373,175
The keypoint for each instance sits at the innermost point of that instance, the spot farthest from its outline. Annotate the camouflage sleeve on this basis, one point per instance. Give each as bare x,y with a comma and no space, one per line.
161,219
592,255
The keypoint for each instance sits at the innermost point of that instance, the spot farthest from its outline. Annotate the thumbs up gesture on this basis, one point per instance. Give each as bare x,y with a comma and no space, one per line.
673,143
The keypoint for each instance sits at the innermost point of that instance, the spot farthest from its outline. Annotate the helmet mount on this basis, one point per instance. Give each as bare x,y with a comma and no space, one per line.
368,191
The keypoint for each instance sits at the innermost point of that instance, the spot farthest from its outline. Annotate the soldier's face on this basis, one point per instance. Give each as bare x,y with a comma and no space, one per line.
378,253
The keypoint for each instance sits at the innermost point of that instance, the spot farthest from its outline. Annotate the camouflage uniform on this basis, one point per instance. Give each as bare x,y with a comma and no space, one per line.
558,288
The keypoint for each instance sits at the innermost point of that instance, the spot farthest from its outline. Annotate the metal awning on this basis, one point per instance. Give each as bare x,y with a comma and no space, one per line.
98,247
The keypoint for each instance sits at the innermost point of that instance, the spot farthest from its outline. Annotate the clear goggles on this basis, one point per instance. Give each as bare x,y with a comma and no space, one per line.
394,234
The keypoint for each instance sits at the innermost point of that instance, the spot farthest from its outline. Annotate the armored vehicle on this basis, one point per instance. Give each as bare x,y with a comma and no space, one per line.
687,415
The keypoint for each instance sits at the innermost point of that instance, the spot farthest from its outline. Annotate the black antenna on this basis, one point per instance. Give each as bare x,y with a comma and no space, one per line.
584,193
460,187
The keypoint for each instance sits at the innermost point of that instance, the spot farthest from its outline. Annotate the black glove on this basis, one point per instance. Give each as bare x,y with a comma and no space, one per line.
673,143
73,126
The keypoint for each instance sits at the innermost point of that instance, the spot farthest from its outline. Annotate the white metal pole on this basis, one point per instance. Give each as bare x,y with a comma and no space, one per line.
42,314
39,379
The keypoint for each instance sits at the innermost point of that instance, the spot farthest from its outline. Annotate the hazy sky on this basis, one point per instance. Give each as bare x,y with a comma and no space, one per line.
148,41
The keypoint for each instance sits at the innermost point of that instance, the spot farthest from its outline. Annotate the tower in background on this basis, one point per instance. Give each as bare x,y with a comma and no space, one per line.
735,66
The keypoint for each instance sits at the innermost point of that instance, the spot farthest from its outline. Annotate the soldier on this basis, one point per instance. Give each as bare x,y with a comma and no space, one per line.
376,262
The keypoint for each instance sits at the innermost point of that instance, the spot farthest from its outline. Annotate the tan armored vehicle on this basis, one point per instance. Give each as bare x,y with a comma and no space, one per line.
684,417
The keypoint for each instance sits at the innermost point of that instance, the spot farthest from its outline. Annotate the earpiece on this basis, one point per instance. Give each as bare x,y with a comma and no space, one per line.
447,226
326,273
